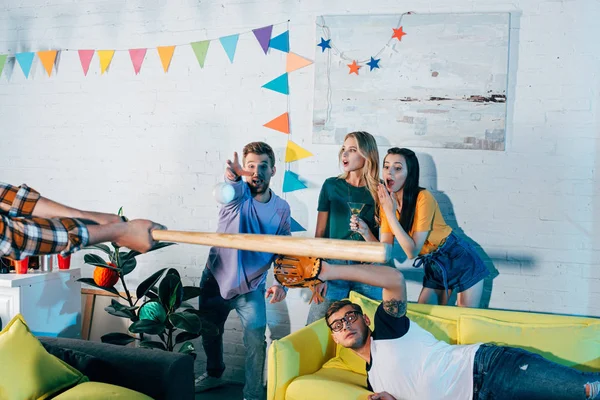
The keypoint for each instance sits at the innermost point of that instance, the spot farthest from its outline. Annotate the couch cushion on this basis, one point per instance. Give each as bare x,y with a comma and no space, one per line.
94,368
573,345
100,391
329,384
34,373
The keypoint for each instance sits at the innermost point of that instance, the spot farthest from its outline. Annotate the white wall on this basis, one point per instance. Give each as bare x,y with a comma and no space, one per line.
156,143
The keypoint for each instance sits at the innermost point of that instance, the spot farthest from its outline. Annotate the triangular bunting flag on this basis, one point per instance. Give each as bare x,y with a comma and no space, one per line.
47,58
296,227
263,35
229,44
281,42
281,123
293,152
279,84
166,54
292,182
294,62
2,62
105,57
85,56
200,50
25,60
137,58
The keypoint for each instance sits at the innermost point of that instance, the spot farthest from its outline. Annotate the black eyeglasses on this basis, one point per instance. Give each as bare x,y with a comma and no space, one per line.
350,317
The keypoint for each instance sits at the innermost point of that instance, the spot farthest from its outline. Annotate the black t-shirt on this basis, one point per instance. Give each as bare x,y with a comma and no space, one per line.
387,327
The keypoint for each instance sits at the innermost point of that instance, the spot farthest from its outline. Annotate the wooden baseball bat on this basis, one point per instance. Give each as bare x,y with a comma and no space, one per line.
285,245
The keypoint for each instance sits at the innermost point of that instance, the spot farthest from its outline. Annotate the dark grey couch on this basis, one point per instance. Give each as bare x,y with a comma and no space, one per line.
159,374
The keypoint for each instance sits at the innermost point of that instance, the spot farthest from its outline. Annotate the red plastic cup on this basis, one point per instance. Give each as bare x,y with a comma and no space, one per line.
64,262
21,265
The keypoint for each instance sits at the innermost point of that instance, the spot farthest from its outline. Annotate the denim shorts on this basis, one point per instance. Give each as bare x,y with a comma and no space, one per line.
453,266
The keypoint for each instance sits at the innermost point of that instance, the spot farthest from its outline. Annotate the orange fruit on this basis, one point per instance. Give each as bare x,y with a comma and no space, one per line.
106,277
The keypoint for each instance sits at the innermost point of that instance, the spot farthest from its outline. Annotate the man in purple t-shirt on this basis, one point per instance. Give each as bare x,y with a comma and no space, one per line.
235,279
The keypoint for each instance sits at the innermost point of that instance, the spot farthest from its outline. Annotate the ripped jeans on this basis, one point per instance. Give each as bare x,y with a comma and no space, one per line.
512,373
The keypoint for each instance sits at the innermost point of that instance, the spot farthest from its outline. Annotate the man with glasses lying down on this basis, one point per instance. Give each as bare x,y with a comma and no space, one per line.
405,361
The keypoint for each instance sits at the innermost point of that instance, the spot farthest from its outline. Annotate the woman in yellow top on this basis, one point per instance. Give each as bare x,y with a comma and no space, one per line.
412,215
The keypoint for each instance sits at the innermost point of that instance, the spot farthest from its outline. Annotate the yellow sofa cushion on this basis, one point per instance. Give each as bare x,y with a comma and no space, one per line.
28,370
573,345
329,384
100,391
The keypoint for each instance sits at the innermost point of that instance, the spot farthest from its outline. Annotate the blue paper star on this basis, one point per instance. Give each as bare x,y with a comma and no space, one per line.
324,44
374,63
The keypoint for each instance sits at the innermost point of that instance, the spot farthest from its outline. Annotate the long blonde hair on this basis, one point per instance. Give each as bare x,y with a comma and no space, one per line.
367,148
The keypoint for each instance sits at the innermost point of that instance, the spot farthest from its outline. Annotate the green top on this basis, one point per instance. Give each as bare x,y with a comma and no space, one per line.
334,197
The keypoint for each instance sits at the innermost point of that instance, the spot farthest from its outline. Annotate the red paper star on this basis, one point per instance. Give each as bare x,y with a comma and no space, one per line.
353,67
398,33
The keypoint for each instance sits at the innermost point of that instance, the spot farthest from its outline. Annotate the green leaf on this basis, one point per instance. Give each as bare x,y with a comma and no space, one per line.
185,305
187,348
90,281
147,326
152,296
120,313
183,336
148,283
189,292
128,266
151,344
186,321
118,338
170,291
95,259
173,271
119,310
119,306
101,247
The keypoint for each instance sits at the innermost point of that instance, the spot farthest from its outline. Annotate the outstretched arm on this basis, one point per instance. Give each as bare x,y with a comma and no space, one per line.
50,227
46,208
388,278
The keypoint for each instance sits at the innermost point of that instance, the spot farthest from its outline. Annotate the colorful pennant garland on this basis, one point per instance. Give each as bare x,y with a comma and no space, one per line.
296,227
85,56
280,84
355,65
166,55
25,60
281,42
48,58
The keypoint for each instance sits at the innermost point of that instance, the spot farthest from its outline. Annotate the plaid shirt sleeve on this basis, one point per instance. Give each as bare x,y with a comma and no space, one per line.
22,237
17,201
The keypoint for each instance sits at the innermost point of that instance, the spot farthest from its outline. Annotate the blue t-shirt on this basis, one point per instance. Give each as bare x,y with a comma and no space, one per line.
239,271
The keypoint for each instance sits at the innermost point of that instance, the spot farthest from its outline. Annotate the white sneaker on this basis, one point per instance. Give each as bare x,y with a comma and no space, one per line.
206,382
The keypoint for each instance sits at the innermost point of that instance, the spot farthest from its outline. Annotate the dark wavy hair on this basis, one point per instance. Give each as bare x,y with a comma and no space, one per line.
411,186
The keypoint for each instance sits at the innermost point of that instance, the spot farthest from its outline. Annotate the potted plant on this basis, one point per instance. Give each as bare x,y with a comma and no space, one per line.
163,310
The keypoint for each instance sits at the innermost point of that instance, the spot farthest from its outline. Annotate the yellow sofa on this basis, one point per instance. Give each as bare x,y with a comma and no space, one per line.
307,364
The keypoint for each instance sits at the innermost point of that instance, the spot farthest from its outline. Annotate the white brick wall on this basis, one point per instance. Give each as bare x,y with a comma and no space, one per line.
156,143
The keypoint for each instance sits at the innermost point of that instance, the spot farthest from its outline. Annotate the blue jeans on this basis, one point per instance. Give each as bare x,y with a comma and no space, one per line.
512,373
338,290
251,309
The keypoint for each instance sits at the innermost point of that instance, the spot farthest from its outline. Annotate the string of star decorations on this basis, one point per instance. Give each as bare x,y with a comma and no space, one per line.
373,61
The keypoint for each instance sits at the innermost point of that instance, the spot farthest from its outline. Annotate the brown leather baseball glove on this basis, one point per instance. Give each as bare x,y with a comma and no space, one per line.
299,271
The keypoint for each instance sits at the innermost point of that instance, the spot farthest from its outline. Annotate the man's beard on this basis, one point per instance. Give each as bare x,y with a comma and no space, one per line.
259,189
